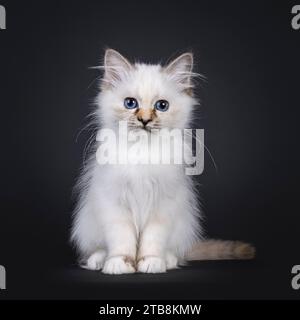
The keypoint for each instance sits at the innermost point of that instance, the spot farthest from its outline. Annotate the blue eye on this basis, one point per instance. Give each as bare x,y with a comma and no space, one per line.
130,103
161,105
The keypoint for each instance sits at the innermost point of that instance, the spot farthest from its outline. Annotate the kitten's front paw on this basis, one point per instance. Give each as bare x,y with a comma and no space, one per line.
152,264
118,265
95,261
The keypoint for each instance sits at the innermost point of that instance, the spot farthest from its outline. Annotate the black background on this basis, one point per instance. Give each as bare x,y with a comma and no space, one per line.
250,112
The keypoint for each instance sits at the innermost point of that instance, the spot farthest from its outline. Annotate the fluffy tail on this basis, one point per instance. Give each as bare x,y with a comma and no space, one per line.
221,250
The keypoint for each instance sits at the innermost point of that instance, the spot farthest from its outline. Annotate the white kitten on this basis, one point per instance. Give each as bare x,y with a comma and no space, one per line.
143,218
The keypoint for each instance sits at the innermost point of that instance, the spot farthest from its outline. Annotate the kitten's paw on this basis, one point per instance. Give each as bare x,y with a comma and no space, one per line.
152,264
95,261
119,265
171,260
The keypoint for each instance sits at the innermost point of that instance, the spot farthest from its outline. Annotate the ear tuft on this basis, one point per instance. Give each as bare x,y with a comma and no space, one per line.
180,70
116,67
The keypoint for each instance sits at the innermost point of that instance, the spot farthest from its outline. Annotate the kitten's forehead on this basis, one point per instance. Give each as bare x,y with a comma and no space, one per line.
147,80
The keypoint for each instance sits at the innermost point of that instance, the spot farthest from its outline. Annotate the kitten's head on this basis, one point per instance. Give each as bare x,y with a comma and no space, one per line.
146,96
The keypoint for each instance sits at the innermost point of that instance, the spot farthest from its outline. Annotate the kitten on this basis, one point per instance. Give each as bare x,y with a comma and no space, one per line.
143,218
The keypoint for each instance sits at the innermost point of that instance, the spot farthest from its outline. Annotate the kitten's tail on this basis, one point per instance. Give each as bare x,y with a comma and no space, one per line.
221,250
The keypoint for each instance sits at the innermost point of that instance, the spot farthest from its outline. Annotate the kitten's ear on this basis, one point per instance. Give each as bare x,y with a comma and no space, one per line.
116,67
180,69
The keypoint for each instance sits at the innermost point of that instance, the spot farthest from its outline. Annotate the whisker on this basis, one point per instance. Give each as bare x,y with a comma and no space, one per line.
206,148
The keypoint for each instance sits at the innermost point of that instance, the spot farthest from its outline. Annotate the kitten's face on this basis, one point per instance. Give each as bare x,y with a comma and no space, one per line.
146,96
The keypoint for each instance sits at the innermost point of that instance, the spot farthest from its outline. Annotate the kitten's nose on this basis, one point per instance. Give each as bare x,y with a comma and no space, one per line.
144,121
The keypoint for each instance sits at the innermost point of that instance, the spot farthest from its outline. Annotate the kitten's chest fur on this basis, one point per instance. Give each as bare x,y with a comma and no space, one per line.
145,190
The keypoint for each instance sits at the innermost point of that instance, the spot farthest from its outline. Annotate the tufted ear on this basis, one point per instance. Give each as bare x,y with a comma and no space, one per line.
116,67
180,70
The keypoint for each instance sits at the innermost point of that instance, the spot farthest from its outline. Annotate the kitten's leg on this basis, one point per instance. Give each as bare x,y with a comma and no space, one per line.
95,261
120,236
151,256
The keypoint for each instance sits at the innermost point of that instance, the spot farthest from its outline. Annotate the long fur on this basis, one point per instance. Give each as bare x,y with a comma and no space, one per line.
143,218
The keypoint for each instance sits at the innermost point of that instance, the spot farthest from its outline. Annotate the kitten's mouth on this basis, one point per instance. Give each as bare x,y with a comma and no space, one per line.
144,128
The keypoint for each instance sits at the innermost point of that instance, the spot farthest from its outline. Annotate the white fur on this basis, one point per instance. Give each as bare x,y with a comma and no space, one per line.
146,213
